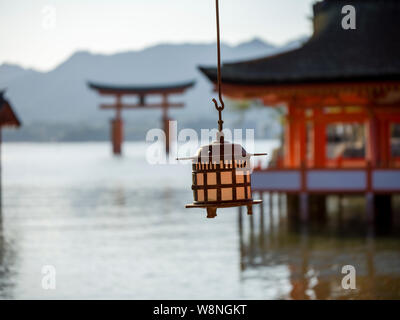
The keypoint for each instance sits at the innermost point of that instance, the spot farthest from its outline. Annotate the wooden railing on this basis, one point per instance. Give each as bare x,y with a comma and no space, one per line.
328,180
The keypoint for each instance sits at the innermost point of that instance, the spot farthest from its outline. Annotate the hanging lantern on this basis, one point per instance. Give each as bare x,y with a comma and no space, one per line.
221,171
221,175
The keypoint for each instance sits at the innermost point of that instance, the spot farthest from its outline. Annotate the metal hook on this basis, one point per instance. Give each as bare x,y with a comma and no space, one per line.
219,108
216,104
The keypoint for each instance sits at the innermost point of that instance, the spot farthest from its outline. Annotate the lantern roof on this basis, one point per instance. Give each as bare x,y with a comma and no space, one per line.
216,149
368,53
213,152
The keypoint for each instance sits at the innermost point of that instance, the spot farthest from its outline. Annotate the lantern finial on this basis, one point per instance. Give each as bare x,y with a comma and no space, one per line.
219,108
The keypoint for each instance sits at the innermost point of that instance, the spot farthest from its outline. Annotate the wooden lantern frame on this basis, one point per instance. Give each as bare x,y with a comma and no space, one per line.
233,190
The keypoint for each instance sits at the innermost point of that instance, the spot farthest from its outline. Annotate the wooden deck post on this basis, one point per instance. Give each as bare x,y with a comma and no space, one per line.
370,207
240,222
261,220
369,196
304,207
384,142
384,217
304,198
251,220
271,213
340,209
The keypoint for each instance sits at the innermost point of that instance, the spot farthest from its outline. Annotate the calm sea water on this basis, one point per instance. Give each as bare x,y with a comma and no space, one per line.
117,228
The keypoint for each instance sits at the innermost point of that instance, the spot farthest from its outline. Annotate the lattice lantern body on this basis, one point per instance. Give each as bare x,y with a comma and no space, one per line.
221,174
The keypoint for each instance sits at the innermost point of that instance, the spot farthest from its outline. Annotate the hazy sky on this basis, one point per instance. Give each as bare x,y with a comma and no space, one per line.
43,33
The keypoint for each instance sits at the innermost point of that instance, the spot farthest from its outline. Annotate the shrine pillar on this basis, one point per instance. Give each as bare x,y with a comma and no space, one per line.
319,138
378,140
290,137
295,137
301,159
384,152
372,141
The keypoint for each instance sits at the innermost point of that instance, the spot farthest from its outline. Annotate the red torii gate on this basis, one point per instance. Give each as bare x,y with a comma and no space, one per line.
142,92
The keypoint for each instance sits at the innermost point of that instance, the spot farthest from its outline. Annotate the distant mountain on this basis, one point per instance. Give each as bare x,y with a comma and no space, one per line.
61,96
12,72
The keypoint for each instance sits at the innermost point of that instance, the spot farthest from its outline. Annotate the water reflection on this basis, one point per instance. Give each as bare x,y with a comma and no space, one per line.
119,196
120,230
313,256
6,265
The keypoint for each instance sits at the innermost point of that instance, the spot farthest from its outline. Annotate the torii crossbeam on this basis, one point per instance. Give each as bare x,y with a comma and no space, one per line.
141,92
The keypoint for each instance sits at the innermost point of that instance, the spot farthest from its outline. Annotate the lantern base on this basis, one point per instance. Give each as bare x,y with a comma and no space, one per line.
211,212
212,207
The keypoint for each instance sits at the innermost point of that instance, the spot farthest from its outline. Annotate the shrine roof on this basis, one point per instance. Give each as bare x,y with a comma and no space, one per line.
369,53
7,115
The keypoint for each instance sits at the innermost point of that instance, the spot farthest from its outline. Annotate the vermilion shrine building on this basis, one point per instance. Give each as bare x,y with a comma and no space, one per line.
338,78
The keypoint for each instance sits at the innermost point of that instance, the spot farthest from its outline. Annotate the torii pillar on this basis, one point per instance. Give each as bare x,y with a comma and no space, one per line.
117,128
